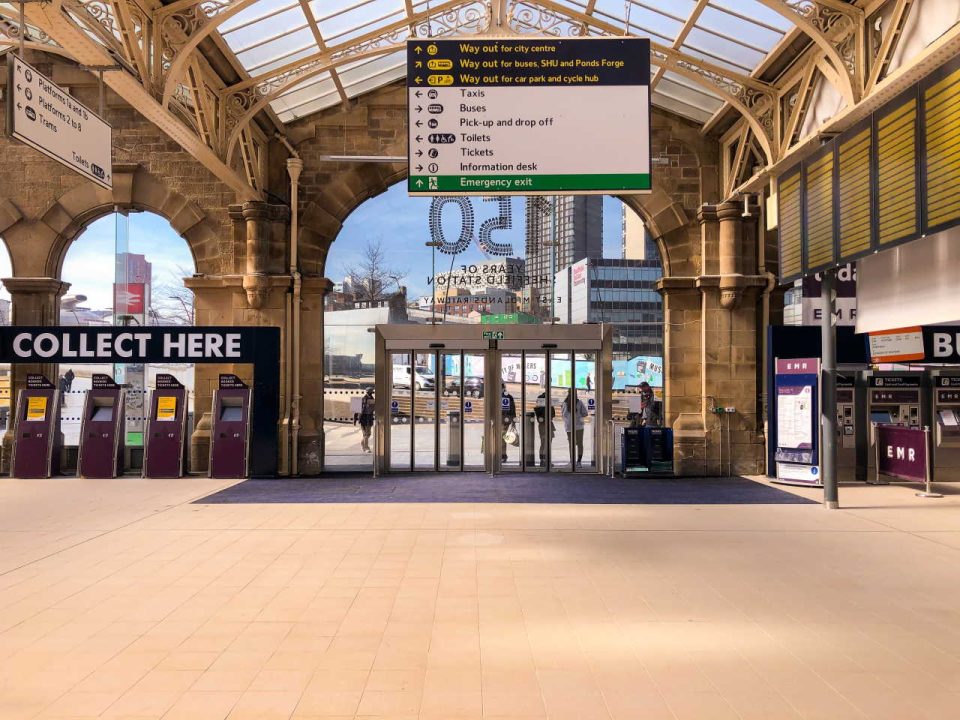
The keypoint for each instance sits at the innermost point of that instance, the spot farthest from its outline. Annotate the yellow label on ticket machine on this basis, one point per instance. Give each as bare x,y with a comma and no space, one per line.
37,408
166,408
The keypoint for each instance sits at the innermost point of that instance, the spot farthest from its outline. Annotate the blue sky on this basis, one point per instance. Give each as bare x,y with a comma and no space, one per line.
399,221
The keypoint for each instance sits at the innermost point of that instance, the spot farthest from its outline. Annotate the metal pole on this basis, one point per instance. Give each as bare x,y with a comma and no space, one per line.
433,284
553,261
926,463
22,29
100,99
828,394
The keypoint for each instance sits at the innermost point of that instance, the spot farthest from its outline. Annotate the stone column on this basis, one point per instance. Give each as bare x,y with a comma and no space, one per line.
34,301
311,443
682,338
729,307
255,298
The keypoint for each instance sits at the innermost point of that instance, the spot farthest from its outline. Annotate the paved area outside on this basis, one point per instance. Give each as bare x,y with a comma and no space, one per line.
124,599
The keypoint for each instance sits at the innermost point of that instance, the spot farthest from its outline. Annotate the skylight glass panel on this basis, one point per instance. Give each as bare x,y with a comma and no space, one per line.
381,77
755,12
311,91
269,48
283,59
281,25
725,24
371,15
680,87
737,54
371,26
256,12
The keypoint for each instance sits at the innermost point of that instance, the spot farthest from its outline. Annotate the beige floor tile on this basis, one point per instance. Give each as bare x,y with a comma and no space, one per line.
123,600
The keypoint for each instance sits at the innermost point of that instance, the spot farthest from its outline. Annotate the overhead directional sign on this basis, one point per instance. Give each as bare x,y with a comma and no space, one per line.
46,117
528,116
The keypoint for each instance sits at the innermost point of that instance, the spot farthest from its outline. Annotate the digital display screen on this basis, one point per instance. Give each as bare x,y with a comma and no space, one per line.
231,414
880,417
102,414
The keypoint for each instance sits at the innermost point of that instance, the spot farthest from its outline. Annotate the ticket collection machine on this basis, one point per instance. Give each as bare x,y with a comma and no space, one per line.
894,398
846,424
946,424
102,430
230,429
36,431
166,431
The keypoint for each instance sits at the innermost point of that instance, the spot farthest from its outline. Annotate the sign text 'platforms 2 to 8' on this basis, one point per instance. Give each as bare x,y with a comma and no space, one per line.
49,119
528,116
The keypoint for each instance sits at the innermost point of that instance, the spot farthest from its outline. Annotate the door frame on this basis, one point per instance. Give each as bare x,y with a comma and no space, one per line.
469,338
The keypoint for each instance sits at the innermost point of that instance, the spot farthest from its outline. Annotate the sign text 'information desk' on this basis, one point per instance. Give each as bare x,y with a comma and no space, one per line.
495,116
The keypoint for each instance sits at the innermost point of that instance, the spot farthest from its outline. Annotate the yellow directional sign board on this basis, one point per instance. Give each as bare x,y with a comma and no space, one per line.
505,116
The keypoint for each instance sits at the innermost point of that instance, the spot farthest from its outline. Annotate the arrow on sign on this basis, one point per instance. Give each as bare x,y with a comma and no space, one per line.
418,93
419,107
419,123
419,168
419,182
418,49
418,64
419,153
418,80
418,138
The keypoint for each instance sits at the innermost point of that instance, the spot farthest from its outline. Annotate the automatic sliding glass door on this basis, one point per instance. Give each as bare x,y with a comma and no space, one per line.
450,383
474,411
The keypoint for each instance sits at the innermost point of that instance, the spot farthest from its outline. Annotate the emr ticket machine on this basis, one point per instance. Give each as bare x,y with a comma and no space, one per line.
846,423
946,424
230,429
36,431
102,430
894,398
166,432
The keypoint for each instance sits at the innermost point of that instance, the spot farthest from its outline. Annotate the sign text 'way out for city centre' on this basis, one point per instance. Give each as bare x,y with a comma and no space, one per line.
528,116
46,117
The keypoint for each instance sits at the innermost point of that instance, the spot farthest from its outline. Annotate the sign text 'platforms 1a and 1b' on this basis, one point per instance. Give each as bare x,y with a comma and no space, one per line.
504,116
46,117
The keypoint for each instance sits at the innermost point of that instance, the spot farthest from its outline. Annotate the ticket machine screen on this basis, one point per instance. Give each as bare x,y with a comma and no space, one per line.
102,414
231,414
881,417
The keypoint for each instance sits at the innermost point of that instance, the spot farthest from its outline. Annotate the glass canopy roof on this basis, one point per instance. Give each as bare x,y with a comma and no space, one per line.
271,35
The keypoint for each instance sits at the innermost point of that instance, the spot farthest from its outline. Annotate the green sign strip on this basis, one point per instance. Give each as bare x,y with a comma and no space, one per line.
481,184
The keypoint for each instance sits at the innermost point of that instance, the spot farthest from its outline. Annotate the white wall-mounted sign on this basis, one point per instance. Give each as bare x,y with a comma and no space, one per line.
45,116
505,116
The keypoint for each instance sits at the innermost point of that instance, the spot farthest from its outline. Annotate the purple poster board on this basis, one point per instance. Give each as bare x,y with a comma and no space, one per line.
796,411
902,452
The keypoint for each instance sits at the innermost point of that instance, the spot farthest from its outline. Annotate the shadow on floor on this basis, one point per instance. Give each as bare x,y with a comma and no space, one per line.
509,488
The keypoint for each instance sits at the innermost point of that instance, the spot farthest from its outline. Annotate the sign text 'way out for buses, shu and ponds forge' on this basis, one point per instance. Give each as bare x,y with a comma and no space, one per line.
504,116
46,117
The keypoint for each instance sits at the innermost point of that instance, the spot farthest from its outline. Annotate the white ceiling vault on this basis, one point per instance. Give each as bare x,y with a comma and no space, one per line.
220,76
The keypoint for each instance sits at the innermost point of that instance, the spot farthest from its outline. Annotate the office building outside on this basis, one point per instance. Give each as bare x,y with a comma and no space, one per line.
579,235
637,243
620,292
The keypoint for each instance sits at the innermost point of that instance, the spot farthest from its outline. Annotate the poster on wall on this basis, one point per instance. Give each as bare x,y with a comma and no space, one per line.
797,431
641,368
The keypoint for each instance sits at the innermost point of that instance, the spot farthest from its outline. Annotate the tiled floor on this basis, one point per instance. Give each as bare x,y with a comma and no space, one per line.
121,599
